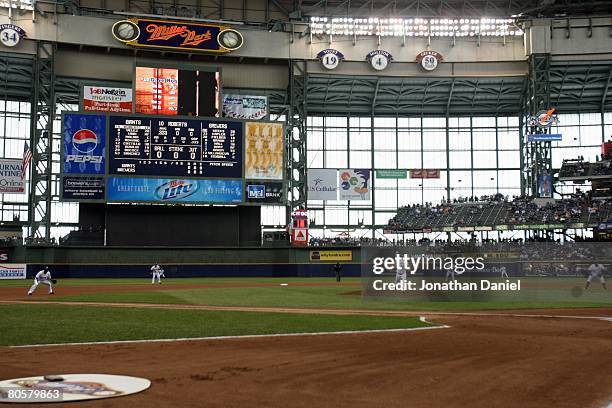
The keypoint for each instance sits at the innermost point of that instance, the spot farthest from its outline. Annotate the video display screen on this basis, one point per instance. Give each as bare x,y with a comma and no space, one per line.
172,91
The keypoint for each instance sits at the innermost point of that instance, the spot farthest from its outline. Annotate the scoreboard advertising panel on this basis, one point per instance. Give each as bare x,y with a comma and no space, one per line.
168,159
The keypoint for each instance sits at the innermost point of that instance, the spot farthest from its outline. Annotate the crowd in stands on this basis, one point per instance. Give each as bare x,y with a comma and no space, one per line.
500,210
350,241
578,168
10,241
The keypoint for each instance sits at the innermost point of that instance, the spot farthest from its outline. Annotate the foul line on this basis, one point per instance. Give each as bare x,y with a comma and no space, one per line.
246,336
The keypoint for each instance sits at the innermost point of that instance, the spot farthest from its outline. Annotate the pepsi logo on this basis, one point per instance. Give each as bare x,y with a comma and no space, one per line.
84,141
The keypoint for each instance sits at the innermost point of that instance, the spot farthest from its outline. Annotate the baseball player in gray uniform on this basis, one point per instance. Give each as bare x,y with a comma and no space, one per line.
400,271
596,270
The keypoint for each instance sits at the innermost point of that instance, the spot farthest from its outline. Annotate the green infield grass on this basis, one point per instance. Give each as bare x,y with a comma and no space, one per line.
49,324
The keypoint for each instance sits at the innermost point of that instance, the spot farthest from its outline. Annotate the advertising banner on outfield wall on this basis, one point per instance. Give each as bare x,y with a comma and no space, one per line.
322,184
107,99
174,190
331,256
12,271
11,176
254,107
354,184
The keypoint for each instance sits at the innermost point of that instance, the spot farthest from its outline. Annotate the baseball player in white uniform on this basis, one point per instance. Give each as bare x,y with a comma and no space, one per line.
502,271
400,271
43,276
596,270
157,272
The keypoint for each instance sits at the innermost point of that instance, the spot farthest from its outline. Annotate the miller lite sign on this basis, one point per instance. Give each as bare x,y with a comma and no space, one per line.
176,189
83,144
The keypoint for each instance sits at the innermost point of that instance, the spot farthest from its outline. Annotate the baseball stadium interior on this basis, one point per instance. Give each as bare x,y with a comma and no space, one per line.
240,166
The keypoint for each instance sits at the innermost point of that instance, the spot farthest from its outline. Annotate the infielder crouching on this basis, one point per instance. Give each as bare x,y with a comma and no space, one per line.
596,271
44,277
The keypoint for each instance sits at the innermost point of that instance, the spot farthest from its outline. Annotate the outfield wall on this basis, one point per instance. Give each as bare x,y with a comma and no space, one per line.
118,262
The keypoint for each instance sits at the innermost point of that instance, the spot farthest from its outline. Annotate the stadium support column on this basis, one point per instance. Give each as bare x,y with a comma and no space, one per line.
537,155
296,136
41,131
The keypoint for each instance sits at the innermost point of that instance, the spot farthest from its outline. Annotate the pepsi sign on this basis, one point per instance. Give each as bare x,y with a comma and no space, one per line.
84,143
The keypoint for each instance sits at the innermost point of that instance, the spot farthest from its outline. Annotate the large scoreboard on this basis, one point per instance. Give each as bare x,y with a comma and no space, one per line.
148,146
171,159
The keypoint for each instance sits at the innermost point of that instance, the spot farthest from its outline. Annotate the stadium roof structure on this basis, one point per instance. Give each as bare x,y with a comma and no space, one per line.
575,86
445,8
414,95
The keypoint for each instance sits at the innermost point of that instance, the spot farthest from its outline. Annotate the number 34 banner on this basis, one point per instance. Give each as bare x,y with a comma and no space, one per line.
10,34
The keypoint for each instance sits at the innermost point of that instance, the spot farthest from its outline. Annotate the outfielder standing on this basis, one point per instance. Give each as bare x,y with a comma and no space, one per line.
157,272
400,271
43,276
596,270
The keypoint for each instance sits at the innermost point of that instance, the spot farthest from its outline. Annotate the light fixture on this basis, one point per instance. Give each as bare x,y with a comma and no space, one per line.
17,4
417,27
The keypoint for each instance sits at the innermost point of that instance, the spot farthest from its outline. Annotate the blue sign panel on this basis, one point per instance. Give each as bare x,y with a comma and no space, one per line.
174,190
264,192
256,191
544,137
83,188
84,143
173,147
